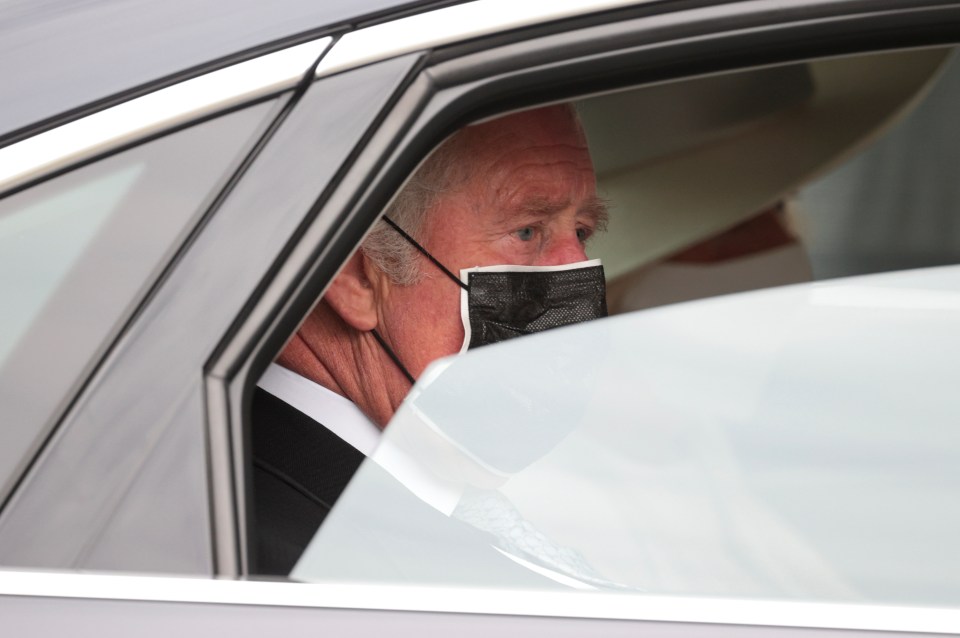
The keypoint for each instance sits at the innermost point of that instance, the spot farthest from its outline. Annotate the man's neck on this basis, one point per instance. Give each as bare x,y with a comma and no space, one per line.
346,361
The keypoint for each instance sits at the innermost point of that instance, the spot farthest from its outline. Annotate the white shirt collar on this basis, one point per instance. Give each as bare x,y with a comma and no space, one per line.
336,413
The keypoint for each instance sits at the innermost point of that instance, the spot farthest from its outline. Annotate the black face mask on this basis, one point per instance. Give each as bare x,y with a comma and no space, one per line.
502,302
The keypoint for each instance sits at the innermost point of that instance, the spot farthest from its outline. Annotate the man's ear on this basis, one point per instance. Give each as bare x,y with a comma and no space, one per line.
353,296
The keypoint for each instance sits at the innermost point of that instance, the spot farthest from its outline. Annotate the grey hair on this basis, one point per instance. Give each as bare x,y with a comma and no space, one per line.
443,170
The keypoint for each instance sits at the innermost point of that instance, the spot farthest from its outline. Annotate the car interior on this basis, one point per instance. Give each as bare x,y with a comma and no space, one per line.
705,175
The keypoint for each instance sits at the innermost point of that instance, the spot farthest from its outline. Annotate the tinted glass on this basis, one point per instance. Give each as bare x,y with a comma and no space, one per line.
77,252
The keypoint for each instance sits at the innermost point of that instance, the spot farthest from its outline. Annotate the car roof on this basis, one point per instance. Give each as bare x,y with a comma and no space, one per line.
60,55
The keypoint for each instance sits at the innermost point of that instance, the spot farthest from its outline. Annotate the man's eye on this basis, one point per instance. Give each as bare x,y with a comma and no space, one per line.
525,234
583,234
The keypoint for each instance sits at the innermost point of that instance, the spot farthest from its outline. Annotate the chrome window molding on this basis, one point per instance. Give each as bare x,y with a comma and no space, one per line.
568,604
452,24
152,113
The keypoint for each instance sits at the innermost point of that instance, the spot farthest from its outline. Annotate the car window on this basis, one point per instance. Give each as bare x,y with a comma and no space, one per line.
780,445
78,251
796,443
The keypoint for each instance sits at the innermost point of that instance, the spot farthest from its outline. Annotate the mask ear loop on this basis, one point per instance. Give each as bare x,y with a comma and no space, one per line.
393,356
425,253
383,344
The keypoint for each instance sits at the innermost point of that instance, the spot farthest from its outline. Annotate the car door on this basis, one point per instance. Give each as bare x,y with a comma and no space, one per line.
169,493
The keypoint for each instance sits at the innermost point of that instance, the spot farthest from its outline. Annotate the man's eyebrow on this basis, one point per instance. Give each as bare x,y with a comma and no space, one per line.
595,208
541,206
598,209
529,207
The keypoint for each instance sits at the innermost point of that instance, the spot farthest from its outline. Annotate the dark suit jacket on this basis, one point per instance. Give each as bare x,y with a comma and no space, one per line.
299,470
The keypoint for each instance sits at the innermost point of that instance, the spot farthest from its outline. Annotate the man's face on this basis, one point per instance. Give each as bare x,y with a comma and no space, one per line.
530,199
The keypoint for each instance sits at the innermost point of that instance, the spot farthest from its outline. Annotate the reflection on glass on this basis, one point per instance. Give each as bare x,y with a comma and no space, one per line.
761,445
77,253
41,239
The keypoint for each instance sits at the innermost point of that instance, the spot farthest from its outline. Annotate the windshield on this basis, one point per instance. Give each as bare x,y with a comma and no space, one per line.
798,443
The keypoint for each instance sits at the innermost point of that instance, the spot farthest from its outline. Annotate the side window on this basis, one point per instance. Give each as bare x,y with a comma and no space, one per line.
77,253
668,451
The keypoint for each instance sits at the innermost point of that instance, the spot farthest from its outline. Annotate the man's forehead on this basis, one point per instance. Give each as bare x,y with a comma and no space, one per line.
534,163
520,175
558,122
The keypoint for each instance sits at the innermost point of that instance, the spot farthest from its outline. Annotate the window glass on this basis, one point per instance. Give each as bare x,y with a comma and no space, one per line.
797,443
78,251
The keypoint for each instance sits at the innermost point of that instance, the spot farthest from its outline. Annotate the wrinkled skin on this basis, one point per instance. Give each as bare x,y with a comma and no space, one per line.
529,199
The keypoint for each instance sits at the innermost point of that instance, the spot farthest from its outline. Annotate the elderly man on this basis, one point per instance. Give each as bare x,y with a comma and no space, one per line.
516,191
